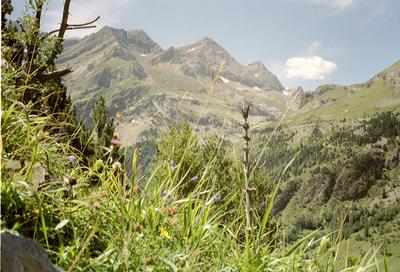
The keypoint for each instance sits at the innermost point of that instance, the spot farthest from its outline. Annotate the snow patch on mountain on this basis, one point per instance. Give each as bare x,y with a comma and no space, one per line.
191,50
225,80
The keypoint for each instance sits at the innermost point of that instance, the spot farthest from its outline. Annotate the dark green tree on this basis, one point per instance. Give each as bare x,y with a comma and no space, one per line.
99,115
104,127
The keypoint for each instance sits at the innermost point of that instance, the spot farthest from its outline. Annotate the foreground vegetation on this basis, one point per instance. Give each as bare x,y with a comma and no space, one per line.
97,218
66,186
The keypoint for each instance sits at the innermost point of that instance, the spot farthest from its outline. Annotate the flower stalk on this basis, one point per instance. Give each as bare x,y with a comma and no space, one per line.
247,168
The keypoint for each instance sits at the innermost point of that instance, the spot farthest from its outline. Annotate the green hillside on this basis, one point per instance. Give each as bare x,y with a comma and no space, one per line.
349,102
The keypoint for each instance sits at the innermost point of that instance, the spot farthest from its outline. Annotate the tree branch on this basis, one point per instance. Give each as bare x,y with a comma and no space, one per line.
85,24
70,28
53,75
64,20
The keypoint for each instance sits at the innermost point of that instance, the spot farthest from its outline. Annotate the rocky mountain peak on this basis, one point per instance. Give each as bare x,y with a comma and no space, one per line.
207,41
107,32
134,38
197,60
205,48
257,68
142,41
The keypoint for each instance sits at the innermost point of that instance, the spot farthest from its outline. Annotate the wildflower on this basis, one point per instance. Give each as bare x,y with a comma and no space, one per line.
217,198
169,200
193,179
164,233
173,165
164,193
115,142
171,211
196,194
72,160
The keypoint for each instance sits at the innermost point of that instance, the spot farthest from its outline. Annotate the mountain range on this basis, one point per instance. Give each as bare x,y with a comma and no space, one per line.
343,141
146,87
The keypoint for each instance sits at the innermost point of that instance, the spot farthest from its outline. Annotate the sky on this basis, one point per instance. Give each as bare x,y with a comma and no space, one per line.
305,43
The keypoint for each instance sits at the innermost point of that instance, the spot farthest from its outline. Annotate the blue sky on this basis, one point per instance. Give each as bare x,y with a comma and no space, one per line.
304,42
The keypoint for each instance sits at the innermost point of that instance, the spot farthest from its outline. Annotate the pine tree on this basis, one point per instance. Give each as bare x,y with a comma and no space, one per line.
99,114
104,127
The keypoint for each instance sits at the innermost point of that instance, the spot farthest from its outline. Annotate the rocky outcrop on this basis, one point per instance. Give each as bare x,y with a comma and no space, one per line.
204,57
391,76
19,254
300,98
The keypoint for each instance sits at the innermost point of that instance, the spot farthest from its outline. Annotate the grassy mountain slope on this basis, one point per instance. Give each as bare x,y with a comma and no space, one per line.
333,102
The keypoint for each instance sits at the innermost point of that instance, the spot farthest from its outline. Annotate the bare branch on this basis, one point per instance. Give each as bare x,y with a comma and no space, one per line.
70,28
76,26
85,24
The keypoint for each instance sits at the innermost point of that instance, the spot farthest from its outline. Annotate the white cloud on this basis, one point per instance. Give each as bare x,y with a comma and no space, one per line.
309,68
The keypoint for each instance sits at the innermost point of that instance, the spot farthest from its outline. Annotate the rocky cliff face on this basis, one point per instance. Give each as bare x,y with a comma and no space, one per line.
391,76
150,86
205,56
299,97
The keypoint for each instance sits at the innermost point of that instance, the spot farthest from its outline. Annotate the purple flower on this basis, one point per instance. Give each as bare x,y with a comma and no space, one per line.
217,198
194,178
169,200
173,165
164,193
196,194
72,160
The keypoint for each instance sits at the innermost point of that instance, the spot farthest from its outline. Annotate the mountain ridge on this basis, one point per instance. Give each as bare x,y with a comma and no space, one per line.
150,86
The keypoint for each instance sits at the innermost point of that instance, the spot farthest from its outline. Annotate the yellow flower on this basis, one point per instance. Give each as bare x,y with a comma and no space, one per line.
164,233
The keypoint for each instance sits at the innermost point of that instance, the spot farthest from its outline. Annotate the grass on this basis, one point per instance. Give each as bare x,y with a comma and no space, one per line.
109,220
113,225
